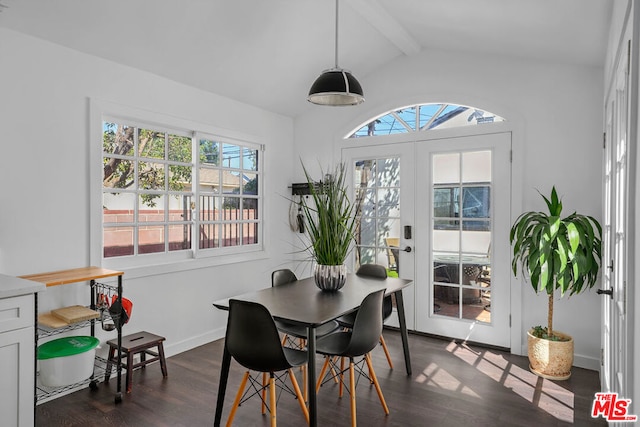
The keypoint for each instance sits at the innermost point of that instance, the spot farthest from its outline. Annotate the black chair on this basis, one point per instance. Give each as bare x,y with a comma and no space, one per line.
377,271
252,339
293,331
282,277
356,342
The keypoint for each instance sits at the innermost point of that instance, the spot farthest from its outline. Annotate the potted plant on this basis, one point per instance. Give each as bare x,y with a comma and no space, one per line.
555,254
330,227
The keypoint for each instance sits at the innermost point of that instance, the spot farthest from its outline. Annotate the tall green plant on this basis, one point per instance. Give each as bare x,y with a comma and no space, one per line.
330,218
556,253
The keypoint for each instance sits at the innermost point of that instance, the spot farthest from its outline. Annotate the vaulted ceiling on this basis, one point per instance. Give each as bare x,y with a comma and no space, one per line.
268,52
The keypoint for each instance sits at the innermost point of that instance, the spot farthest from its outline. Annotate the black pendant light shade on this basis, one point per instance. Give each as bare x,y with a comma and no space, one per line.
336,87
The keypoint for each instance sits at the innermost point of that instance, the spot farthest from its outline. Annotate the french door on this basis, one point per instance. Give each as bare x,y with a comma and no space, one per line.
382,180
437,212
614,273
463,222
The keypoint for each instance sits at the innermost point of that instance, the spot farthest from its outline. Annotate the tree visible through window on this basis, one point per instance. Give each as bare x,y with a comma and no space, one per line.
166,191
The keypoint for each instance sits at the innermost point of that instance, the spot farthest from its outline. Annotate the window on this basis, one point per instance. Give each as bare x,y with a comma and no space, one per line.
424,117
228,195
175,193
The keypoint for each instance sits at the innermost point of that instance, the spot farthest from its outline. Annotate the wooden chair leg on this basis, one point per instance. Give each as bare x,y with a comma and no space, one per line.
301,400
284,340
372,373
236,402
352,389
272,394
264,393
341,385
386,351
323,371
334,374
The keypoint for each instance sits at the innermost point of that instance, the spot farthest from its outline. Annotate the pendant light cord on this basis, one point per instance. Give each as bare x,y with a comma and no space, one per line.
336,33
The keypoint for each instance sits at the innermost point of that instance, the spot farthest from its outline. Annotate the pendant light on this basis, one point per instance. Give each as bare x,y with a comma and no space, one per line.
336,86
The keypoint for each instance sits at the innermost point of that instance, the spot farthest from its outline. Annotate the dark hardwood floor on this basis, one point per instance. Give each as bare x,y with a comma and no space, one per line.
453,384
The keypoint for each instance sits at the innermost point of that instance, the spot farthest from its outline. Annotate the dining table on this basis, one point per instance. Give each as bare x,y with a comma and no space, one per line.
302,302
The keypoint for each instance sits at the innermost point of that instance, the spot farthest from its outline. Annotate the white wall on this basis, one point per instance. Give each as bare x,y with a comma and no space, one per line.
44,220
555,112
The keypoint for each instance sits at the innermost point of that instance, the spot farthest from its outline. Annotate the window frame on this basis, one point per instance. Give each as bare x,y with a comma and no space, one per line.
401,125
139,265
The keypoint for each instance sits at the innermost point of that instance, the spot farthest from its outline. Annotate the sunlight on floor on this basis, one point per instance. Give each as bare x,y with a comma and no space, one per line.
440,378
542,393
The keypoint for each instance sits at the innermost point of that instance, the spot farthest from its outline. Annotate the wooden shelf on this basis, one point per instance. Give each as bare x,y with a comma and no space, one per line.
63,277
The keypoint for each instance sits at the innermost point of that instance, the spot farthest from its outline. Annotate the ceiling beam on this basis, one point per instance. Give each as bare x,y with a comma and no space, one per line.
376,15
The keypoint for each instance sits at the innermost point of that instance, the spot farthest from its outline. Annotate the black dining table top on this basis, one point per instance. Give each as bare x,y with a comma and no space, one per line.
302,302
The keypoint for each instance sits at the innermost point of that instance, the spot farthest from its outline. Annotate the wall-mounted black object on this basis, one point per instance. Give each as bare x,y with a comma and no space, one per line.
302,188
407,232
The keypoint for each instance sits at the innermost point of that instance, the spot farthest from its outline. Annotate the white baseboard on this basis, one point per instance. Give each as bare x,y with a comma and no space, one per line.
173,348
586,362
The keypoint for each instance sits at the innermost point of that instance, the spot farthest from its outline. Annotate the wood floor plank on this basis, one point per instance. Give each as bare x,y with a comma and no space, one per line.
453,384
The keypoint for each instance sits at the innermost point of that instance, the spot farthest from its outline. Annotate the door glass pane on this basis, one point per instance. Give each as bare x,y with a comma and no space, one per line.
377,198
388,172
388,227
476,166
445,202
367,234
461,280
446,168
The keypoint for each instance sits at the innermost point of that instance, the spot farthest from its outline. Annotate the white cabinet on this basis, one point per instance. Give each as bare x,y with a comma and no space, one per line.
17,351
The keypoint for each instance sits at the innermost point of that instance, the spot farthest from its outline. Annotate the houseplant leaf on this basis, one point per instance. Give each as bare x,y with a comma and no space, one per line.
557,253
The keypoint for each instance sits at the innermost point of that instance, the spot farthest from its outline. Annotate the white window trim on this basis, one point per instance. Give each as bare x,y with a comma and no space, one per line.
417,129
152,264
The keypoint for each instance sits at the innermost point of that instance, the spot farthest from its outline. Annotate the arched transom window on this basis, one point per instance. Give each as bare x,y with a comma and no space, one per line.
423,117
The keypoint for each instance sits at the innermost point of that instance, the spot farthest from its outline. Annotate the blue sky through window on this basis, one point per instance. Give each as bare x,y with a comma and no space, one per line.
428,116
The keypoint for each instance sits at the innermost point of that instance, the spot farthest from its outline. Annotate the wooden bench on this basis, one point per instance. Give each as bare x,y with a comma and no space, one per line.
138,343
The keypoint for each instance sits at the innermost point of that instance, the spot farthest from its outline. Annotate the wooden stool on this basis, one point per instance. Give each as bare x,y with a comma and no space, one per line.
133,344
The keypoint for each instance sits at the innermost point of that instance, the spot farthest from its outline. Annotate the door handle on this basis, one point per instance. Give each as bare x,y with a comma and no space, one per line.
407,249
605,292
